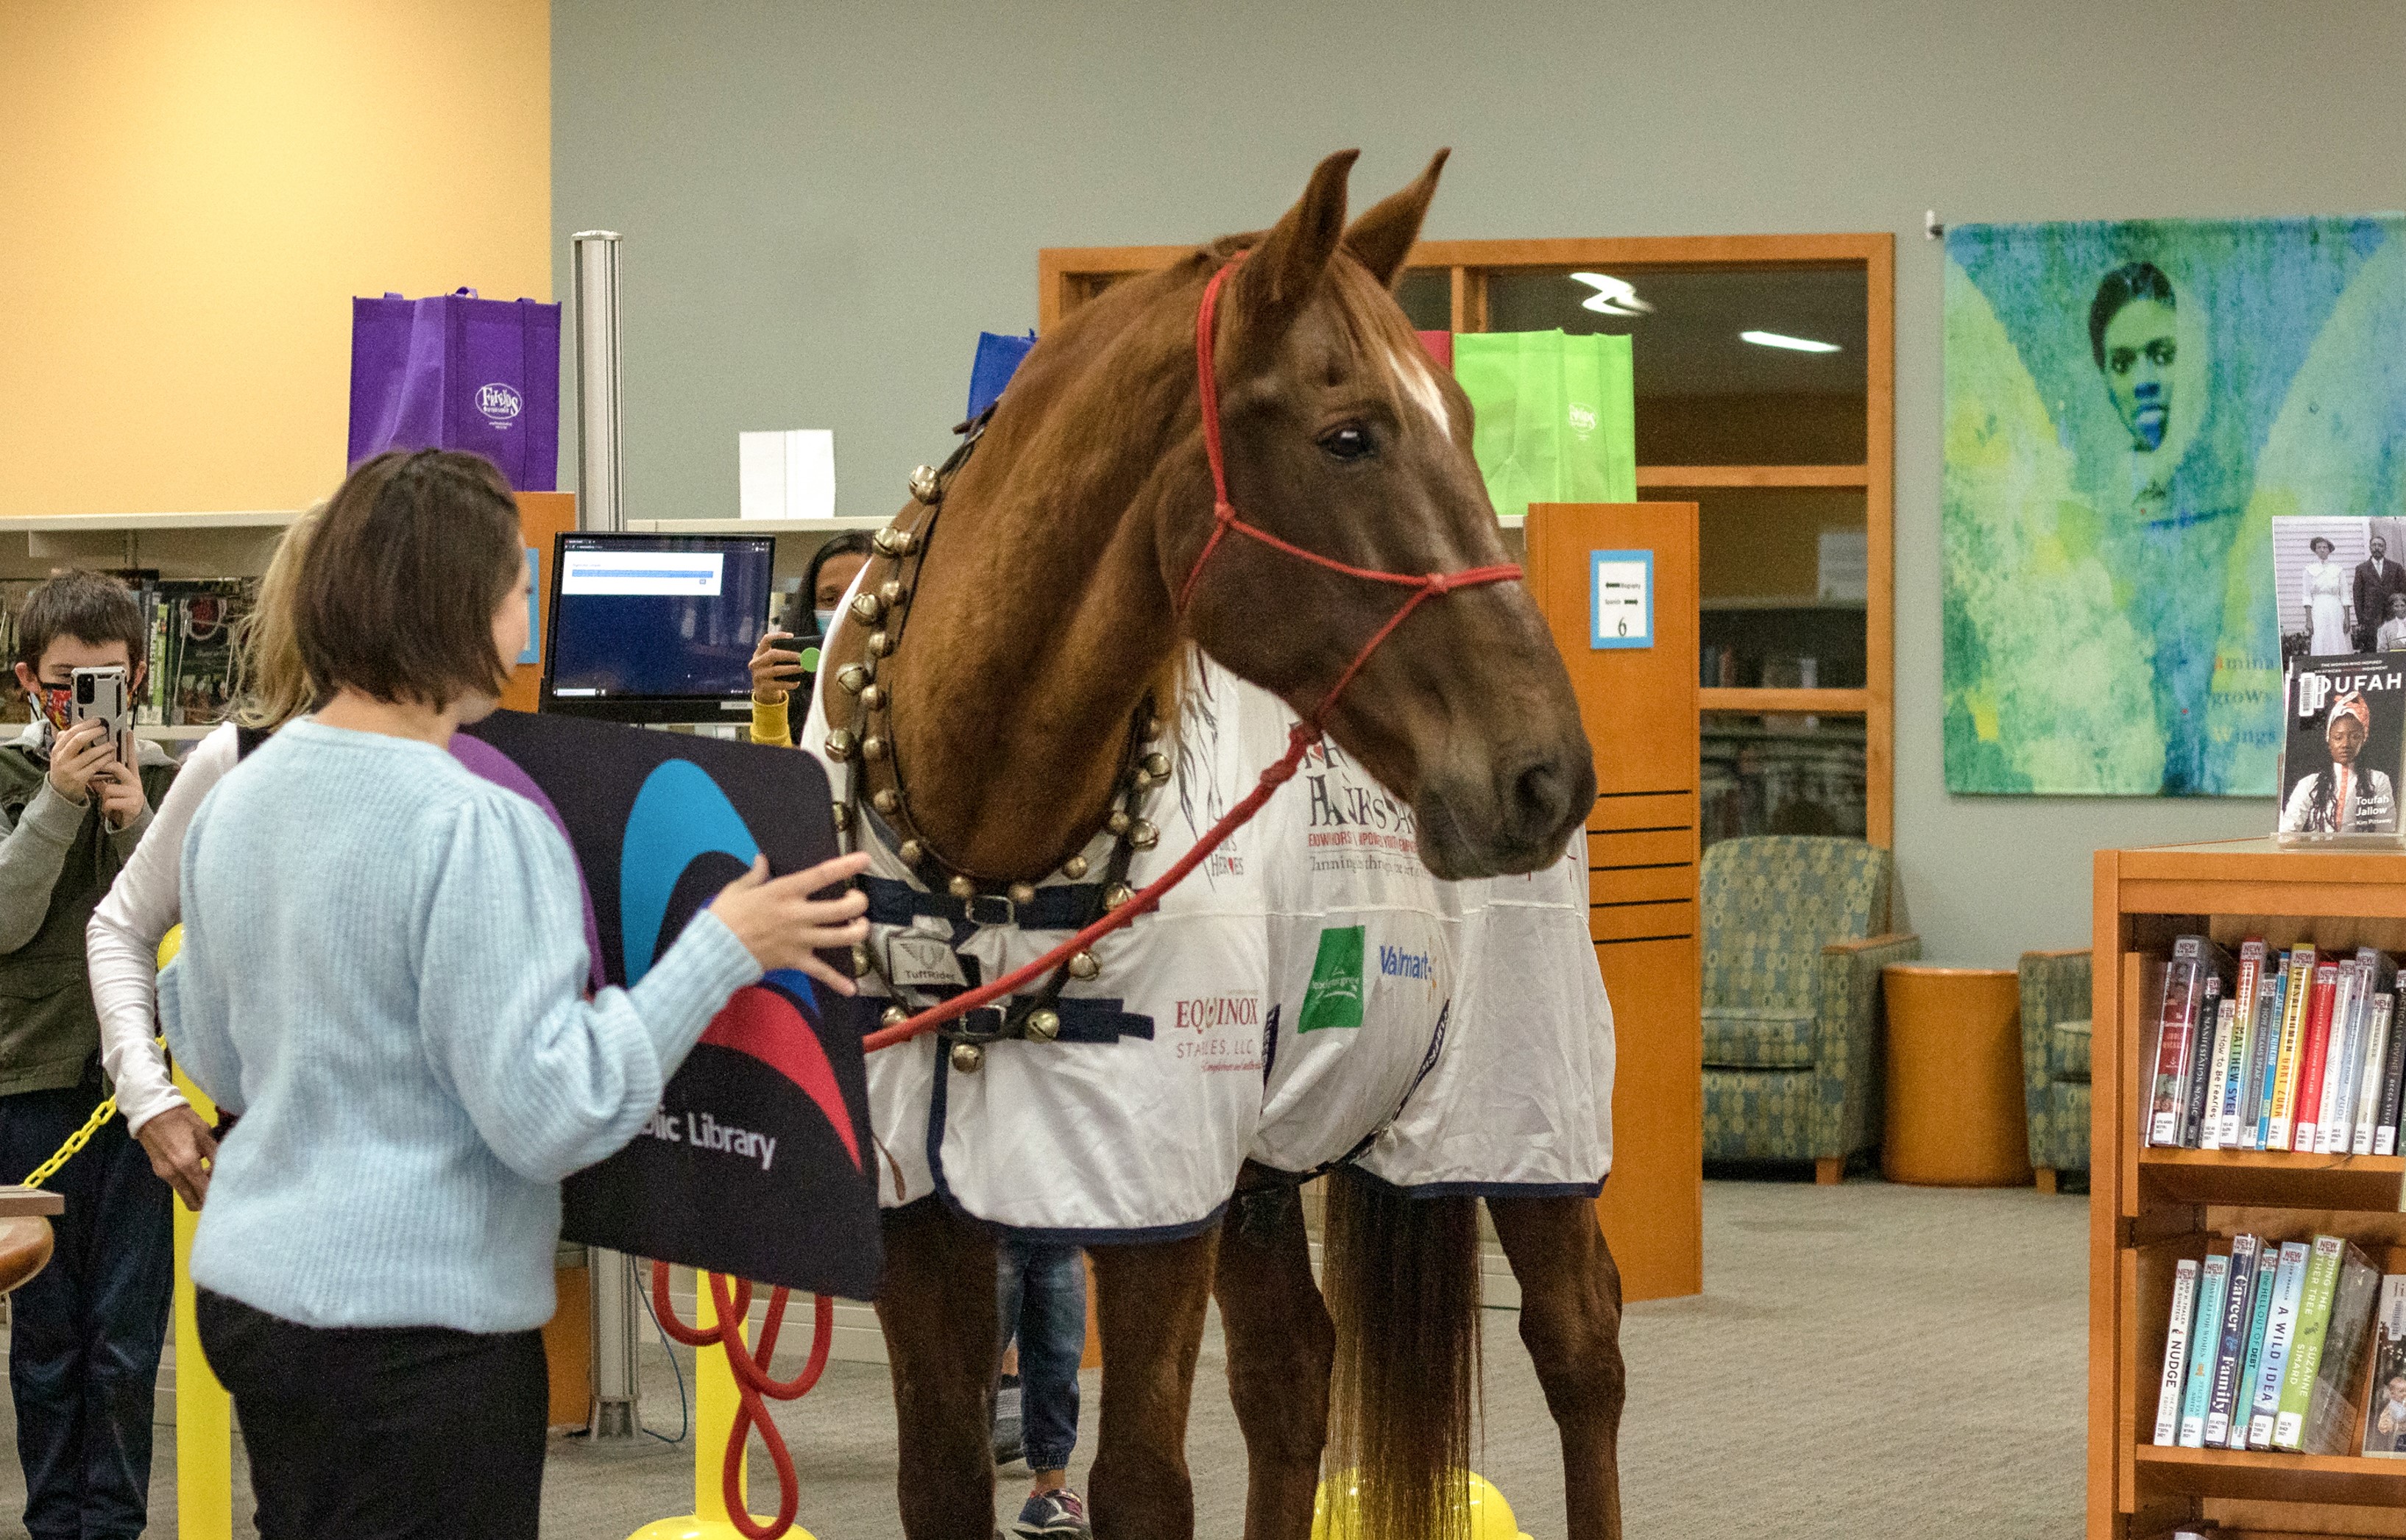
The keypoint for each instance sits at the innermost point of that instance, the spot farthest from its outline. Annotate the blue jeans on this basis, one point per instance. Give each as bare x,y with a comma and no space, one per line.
1041,1297
85,1334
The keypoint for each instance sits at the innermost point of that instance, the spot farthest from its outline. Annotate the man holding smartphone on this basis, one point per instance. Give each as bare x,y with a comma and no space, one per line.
85,1333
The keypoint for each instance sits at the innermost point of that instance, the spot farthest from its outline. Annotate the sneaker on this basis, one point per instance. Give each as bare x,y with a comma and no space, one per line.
1053,1514
1008,1442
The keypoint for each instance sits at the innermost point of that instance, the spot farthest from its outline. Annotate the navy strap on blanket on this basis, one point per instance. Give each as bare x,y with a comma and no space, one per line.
1063,906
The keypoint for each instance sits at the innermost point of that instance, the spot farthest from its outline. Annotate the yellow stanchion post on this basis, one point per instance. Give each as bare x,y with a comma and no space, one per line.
204,1411
714,1406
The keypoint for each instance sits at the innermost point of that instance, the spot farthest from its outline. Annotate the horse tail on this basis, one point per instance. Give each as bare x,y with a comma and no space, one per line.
1402,1279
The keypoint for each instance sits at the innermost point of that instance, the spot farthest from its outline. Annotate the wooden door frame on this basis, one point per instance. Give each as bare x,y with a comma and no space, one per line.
1069,276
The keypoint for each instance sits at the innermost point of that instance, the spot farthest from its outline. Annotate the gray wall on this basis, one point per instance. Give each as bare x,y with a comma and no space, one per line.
822,204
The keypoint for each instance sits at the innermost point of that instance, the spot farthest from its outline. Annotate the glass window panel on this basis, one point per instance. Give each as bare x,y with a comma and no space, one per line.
1426,294
1781,582
1780,773
1706,396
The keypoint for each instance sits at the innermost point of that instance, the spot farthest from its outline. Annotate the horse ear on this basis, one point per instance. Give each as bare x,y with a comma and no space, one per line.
1277,281
1383,239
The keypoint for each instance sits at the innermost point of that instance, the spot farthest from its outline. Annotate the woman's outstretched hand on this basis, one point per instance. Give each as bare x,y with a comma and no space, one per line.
783,926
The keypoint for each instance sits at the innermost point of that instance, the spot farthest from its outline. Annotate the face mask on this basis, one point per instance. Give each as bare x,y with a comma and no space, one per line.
826,621
56,702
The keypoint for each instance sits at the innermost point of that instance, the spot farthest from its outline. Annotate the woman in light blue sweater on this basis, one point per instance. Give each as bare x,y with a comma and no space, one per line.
383,974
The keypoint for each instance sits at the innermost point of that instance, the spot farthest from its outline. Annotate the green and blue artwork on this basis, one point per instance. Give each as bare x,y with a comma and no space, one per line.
2128,408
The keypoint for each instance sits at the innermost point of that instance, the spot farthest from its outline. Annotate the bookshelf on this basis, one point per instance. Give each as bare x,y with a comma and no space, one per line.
2151,1207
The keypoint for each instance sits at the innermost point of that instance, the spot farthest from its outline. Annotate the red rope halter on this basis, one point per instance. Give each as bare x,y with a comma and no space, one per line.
1224,518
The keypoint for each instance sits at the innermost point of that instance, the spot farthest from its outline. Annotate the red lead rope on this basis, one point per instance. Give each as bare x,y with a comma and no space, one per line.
1299,740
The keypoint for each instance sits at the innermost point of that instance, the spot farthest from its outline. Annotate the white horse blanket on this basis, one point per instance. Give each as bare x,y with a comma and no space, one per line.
1310,995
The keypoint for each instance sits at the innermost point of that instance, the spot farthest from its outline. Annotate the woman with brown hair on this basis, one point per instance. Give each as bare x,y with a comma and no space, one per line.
383,974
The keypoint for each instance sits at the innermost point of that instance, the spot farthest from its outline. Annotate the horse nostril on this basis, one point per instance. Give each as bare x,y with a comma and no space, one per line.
1538,794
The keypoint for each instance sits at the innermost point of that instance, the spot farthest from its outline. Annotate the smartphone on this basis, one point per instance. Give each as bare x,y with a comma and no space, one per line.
101,696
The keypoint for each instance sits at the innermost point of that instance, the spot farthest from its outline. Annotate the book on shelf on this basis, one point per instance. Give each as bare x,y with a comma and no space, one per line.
2231,1342
2244,997
2298,982
2251,1367
2255,1105
2385,1420
2311,1051
2214,1014
2316,1415
2175,1375
2376,1074
2393,1083
2185,1020
2205,1336
2289,1281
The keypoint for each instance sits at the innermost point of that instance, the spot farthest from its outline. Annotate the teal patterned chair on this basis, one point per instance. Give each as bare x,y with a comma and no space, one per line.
1794,941
2055,1061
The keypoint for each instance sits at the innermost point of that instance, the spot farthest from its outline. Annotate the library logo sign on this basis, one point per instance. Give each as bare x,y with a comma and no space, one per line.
499,404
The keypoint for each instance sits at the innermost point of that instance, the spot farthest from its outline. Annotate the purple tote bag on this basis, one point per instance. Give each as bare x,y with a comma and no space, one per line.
455,372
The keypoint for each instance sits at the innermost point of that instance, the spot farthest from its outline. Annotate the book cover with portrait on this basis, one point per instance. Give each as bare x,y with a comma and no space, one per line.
2343,749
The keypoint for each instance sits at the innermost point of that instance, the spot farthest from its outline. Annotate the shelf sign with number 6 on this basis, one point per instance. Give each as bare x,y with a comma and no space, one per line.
1621,599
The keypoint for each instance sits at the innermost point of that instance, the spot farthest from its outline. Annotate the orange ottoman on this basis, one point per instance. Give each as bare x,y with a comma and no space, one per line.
1955,1110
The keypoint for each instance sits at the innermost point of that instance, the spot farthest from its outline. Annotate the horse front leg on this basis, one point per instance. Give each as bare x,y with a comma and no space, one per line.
1150,1302
937,1306
1570,1321
1281,1348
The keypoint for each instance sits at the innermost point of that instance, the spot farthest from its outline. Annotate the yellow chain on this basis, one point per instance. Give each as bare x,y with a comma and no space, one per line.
76,1140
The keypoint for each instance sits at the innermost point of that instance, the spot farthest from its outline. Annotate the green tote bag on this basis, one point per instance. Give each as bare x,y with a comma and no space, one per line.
1556,417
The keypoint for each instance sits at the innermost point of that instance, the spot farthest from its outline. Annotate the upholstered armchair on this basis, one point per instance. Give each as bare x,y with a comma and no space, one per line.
2055,1061
1794,941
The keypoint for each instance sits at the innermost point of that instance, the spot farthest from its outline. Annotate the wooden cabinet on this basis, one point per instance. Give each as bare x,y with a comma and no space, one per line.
1639,705
2151,1207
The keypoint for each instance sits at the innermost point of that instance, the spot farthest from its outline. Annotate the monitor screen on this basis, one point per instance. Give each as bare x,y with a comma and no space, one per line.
657,628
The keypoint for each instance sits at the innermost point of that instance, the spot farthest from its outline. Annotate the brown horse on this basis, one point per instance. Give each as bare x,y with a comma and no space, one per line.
1040,622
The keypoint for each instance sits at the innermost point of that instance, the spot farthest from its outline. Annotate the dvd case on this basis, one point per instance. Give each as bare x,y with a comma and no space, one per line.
2344,750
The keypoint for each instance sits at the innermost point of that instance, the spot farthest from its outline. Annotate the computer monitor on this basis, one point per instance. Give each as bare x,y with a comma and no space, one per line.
656,627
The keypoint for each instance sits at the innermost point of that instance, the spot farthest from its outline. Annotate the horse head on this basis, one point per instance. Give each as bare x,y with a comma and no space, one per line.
1065,580
1343,439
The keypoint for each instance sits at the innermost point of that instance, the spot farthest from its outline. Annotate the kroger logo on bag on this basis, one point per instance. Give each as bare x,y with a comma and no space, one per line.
499,404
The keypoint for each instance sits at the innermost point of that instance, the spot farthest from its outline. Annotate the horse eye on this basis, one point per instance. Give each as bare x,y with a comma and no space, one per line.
1349,442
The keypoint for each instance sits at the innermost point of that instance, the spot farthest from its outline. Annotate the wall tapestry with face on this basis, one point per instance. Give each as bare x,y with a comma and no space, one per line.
2128,406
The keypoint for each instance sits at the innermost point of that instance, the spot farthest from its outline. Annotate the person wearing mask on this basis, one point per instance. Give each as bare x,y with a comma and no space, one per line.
383,977
779,671
85,1333
122,943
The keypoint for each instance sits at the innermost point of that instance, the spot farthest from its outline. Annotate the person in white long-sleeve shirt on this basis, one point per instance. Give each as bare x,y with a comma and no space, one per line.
122,942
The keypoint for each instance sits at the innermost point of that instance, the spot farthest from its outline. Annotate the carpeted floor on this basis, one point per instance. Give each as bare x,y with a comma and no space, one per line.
1865,1360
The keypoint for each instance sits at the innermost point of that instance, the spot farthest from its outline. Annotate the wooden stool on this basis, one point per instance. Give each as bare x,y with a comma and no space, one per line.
25,1237
1955,1108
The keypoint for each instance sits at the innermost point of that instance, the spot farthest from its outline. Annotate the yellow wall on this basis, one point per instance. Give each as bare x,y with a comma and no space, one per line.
191,193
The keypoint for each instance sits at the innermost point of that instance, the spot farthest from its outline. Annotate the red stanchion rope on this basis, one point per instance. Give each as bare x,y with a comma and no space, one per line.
751,1367
752,1383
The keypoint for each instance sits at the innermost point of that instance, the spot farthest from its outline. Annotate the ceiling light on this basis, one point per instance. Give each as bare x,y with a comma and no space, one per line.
1612,297
1794,345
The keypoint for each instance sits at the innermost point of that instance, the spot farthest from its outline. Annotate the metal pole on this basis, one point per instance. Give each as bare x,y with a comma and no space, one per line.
596,280
616,1389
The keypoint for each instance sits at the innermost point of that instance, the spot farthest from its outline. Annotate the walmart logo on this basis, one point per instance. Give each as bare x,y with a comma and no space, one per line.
1334,996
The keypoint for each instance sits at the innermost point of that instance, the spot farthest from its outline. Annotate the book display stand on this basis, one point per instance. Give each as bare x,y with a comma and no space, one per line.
2153,1208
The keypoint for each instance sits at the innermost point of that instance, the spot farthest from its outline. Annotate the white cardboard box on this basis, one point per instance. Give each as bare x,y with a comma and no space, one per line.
789,473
